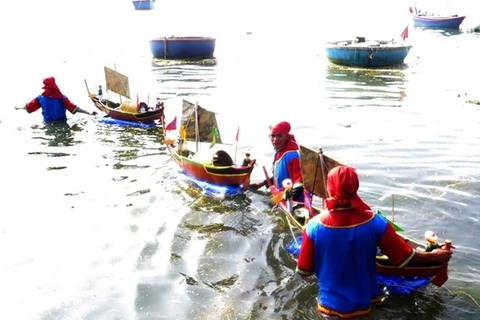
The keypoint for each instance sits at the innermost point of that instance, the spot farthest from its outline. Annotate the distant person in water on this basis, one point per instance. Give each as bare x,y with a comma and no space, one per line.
53,103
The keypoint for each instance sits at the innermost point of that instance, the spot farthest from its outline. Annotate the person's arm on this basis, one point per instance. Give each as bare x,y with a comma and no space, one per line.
305,264
74,109
438,256
402,255
30,107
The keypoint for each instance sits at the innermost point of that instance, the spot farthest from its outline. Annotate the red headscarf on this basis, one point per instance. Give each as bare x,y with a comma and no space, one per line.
50,88
342,186
284,127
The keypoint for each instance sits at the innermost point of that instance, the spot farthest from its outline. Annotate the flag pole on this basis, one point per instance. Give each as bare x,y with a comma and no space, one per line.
236,144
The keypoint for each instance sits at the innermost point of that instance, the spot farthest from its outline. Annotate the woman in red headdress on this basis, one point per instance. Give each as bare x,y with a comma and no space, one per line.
53,103
339,246
286,162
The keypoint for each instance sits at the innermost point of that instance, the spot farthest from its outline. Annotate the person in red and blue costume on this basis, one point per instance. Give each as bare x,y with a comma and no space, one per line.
53,103
339,246
286,162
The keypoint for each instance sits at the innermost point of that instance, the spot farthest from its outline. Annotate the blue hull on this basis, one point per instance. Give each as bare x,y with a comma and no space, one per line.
183,48
363,55
144,5
438,22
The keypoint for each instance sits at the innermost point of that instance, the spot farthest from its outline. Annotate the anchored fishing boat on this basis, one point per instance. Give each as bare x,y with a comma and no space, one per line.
428,20
144,4
367,53
199,125
315,167
186,48
124,109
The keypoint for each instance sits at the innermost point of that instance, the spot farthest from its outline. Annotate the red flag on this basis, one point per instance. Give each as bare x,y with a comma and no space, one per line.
404,34
172,125
238,132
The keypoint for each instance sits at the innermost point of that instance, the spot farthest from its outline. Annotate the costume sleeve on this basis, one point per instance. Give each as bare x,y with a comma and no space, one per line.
295,172
306,257
32,106
395,248
69,105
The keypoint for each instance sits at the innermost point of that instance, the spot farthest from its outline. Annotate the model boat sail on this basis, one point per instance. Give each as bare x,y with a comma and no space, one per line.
200,125
117,82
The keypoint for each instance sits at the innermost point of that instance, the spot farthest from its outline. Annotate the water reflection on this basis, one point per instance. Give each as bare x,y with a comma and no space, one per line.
182,80
57,134
365,87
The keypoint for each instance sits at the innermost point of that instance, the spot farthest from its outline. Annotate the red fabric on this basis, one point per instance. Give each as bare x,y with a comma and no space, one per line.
305,264
342,186
51,89
34,105
282,127
404,34
396,249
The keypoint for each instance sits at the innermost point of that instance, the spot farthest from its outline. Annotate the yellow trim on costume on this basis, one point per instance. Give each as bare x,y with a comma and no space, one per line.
358,313
345,227
304,273
407,260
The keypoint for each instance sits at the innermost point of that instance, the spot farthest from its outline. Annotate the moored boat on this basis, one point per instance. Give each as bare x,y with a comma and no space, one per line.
367,54
173,47
427,20
143,4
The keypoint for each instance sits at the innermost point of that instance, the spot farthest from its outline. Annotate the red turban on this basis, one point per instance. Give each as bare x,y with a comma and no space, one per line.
282,127
50,88
342,186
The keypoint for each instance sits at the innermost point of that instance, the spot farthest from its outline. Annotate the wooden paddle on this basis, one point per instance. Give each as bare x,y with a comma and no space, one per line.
442,276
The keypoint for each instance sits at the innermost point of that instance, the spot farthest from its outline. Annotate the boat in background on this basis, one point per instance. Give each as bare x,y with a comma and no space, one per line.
427,20
367,54
217,170
143,4
124,109
193,48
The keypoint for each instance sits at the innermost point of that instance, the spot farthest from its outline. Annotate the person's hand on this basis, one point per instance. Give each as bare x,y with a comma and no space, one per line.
441,255
19,108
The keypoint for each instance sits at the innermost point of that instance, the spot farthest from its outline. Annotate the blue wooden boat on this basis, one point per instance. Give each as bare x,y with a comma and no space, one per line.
426,20
143,4
367,54
183,48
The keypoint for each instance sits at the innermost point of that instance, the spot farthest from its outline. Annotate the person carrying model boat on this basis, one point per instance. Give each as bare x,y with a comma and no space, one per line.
286,162
339,246
53,103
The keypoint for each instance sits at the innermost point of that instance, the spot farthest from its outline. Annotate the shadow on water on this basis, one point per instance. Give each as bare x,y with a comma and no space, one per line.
57,134
126,143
